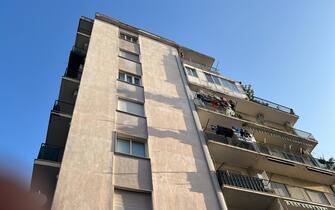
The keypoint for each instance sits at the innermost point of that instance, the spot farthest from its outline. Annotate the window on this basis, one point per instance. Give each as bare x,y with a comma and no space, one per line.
280,189
128,37
229,85
130,107
130,147
191,72
130,78
130,56
216,80
129,200
123,146
317,197
209,78
297,193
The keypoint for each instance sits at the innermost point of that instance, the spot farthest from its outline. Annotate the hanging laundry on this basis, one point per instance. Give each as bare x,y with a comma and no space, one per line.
227,132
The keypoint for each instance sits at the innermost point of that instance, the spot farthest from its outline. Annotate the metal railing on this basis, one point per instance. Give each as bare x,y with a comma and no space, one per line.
264,149
50,152
273,105
63,107
200,66
294,131
230,141
238,180
74,74
267,186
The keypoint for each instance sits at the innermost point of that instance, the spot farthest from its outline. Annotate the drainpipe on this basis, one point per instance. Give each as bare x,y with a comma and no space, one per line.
210,165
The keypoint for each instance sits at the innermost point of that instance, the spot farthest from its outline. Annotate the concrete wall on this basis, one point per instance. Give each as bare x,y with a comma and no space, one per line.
85,180
130,66
132,172
180,175
127,90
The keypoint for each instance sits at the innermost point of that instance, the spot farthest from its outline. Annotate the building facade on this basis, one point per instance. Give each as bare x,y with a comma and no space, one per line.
142,123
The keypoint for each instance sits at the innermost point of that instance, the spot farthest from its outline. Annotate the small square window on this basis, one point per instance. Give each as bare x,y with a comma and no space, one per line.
129,79
122,76
123,146
209,78
137,81
216,80
138,149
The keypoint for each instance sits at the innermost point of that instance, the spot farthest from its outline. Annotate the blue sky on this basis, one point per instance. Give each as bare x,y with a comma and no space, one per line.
285,49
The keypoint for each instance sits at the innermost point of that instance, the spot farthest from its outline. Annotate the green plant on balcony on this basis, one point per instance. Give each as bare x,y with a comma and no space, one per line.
249,91
328,163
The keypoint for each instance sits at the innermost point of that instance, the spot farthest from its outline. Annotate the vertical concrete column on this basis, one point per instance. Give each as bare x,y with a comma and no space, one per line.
180,175
85,180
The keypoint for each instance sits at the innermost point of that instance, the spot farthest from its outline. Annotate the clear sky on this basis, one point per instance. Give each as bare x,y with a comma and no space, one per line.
285,49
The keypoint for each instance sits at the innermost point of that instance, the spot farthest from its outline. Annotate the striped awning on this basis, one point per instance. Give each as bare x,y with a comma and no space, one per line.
304,205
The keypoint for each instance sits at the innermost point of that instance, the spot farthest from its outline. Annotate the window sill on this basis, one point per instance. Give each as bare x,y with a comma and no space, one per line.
131,156
131,114
129,83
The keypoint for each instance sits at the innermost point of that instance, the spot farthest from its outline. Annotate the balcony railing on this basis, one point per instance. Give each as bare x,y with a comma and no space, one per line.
230,141
264,149
51,153
208,106
273,105
74,74
267,186
238,180
63,107
201,66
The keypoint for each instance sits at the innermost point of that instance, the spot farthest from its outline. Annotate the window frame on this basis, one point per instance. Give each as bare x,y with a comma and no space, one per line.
131,141
191,72
319,193
133,77
209,78
125,36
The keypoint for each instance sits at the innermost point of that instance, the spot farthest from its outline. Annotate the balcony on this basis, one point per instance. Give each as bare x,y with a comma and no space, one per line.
217,115
262,157
255,193
201,66
273,114
63,107
50,153
273,105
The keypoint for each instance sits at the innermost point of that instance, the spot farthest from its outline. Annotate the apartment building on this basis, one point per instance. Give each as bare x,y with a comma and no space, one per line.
143,123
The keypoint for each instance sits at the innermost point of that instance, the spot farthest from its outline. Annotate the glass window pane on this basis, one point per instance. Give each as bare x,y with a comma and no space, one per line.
194,73
129,79
216,80
317,197
279,189
231,86
122,76
137,81
138,149
209,78
188,71
123,146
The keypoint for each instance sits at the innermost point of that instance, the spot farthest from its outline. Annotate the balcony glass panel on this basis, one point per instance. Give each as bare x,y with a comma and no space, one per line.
51,153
